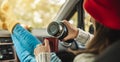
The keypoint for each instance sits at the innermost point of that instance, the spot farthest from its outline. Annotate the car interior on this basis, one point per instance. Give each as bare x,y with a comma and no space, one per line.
68,10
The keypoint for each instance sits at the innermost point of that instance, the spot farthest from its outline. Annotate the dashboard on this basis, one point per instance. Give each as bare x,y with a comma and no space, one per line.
7,51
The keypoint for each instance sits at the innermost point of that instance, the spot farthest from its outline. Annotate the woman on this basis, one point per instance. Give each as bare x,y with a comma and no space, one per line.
107,23
24,42
105,27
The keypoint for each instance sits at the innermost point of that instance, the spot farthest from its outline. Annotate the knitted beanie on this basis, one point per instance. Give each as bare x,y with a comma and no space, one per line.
106,12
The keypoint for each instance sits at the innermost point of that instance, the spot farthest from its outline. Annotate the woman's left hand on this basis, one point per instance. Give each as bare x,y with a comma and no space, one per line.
42,48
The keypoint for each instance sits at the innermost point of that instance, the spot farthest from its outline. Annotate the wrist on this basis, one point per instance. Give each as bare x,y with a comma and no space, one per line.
82,36
76,33
43,57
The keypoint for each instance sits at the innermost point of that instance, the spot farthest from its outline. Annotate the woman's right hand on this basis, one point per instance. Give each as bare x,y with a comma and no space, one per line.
42,48
72,31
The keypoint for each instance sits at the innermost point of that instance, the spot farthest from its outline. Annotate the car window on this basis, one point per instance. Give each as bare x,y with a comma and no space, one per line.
36,13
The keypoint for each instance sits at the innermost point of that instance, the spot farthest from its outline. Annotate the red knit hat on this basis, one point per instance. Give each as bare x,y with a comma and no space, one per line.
107,12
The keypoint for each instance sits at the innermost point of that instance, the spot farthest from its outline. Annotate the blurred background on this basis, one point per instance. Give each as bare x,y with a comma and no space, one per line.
36,13
39,13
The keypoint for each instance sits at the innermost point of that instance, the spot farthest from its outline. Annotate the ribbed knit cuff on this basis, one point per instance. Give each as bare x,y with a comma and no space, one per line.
83,37
43,57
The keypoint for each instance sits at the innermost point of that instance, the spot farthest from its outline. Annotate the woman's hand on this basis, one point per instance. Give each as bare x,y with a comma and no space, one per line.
72,31
42,48
75,52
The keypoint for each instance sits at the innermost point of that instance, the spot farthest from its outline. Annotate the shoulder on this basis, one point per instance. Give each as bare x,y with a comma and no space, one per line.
84,57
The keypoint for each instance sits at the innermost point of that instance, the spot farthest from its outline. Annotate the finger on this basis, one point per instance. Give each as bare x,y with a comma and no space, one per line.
38,50
39,45
66,38
46,42
63,21
35,51
66,23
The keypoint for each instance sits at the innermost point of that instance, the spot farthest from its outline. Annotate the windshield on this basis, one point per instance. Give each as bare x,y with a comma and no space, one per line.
36,13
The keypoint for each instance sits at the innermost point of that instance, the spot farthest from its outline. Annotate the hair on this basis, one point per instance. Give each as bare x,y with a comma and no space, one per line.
103,37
